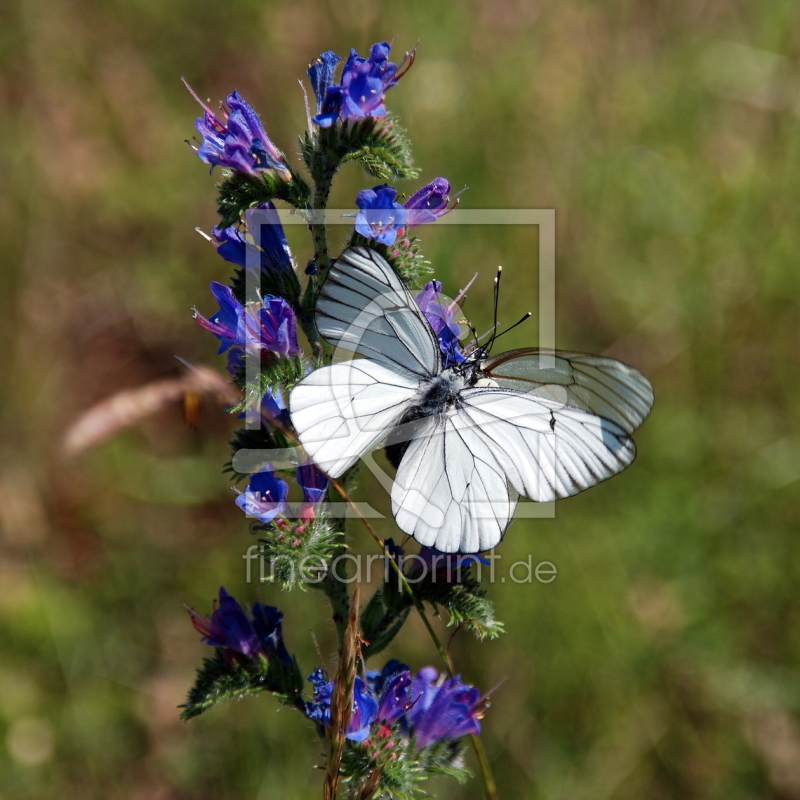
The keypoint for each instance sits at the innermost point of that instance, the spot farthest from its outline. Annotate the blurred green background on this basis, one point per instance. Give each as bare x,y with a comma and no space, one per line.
663,660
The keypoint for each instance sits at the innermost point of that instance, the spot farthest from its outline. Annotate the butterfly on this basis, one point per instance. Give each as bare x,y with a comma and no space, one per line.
467,439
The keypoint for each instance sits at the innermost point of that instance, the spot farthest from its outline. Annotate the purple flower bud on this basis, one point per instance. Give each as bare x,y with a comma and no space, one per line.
229,627
313,482
392,685
238,140
441,318
267,625
361,92
272,254
429,203
321,73
228,323
380,217
265,496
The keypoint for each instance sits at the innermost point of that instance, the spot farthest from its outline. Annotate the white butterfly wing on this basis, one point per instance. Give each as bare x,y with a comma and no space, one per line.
343,411
364,308
601,385
451,491
547,450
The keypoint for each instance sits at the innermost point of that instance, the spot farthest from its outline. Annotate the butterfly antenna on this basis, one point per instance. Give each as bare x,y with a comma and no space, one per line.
527,316
474,333
496,303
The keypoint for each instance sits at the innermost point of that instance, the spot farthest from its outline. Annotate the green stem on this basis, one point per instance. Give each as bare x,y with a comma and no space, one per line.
319,233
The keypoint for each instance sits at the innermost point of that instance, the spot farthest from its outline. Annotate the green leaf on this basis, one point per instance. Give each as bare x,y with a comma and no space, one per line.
220,679
255,439
462,596
465,602
380,624
381,145
240,191
275,371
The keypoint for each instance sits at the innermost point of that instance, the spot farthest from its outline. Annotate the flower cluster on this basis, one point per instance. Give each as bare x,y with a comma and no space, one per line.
268,328
424,709
238,140
230,628
363,84
382,218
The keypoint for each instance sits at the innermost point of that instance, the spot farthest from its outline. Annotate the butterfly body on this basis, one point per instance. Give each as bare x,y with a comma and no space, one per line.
438,395
467,439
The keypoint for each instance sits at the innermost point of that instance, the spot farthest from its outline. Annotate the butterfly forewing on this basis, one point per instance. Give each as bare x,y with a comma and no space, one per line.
364,308
597,384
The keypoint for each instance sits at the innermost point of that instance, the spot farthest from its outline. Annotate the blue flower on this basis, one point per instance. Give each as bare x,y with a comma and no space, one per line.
237,141
392,686
231,244
441,319
228,323
427,708
268,327
380,217
264,496
271,326
267,625
365,706
229,627
272,254
364,83
443,708
312,481
273,406
321,73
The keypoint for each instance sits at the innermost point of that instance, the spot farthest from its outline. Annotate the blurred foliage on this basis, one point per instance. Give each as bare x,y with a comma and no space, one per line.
663,660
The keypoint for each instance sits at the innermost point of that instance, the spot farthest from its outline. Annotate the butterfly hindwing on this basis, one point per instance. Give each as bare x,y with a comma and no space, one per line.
460,478
597,384
548,450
